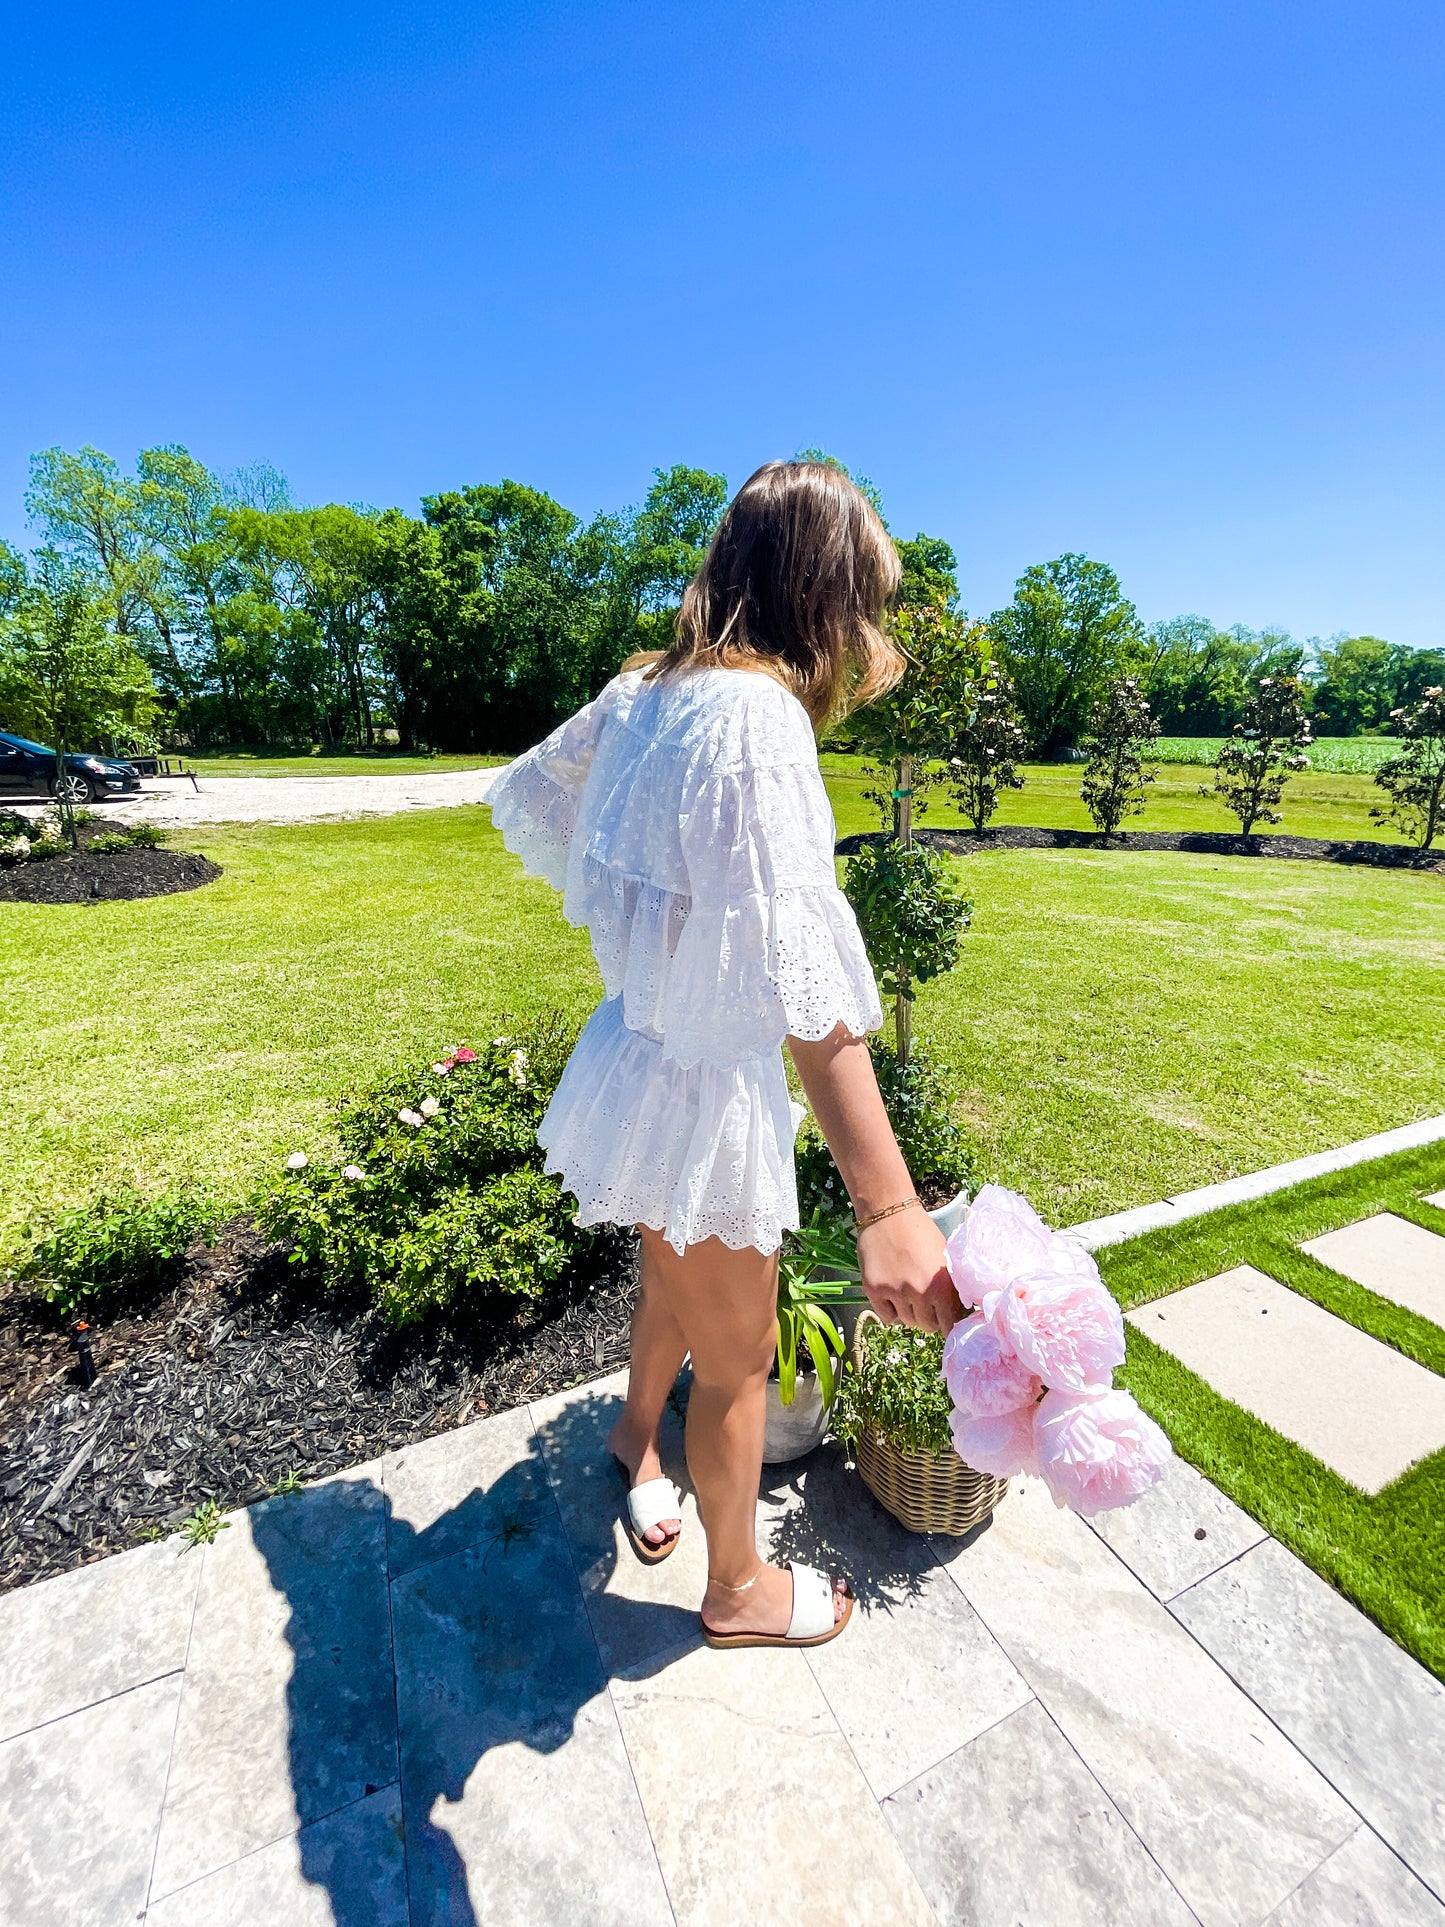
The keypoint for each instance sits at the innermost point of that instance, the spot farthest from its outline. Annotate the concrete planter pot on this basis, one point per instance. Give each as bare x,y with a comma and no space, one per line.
793,1430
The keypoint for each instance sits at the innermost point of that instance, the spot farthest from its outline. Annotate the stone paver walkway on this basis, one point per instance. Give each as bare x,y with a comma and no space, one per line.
440,1689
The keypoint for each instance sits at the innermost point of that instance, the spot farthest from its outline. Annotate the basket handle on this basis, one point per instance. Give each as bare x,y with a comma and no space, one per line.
866,1318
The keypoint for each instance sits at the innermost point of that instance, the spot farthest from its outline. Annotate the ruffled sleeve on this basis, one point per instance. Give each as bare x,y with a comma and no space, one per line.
535,799
771,947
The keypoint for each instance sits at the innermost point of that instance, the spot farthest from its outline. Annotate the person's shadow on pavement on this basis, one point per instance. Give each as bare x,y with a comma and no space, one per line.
418,1654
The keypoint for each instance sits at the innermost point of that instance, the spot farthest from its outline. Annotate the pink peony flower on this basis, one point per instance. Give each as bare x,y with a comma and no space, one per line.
465,1056
1097,1450
984,1377
1002,1446
1001,1236
1066,1329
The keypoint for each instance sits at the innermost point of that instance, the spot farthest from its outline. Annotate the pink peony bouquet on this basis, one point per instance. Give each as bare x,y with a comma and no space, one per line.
1031,1370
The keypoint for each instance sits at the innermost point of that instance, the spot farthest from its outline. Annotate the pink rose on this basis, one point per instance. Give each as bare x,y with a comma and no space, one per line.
1001,1446
465,1056
1001,1236
1097,1450
984,1377
1064,1328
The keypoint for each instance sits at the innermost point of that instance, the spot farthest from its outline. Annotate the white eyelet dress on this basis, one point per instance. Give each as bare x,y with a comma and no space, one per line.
686,824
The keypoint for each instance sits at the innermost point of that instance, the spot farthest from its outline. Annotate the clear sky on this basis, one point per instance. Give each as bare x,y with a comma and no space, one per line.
1161,280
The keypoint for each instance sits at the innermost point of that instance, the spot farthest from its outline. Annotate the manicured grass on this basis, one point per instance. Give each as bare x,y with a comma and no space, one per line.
1314,804
1119,1026
359,762
1386,1552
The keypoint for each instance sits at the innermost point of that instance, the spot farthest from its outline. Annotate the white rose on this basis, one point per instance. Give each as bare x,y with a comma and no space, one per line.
430,1106
297,1161
352,1171
413,1118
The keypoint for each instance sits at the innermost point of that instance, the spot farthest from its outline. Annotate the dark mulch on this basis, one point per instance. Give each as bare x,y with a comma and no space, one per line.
243,1374
112,877
1304,849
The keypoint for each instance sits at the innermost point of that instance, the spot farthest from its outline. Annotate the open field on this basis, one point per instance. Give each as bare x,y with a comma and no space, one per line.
1121,1024
381,762
1339,755
1314,804
1384,1550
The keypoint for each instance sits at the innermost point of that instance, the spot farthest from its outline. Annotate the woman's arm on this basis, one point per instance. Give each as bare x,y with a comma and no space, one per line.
901,1257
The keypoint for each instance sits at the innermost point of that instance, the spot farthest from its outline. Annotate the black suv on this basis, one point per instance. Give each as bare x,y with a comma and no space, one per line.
31,766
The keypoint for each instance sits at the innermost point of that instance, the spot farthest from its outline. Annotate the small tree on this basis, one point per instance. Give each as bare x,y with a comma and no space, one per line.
906,897
991,741
1121,725
67,677
1266,748
1414,781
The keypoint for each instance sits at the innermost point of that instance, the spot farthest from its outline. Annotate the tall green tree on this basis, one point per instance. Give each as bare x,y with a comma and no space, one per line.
1198,677
1068,631
640,562
67,676
930,573
89,511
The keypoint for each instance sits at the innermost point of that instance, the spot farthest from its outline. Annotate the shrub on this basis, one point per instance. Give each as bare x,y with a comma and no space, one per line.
1414,781
1121,726
989,745
911,910
121,1244
938,1155
440,1192
896,1389
1266,748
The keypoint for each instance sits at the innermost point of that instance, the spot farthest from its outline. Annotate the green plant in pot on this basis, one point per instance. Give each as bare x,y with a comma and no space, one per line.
817,1277
892,1407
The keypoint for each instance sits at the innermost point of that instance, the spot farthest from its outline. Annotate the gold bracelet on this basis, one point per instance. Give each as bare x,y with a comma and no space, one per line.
862,1224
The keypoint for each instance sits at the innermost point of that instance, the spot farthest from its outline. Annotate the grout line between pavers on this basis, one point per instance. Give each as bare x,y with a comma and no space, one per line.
265,1846
89,1706
602,1666
1233,1560
175,1729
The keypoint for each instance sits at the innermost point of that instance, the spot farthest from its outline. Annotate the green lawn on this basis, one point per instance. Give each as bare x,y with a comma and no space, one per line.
1385,1552
1121,1025
1314,804
358,762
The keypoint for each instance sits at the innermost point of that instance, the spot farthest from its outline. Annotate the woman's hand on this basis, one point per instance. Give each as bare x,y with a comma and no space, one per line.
905,1272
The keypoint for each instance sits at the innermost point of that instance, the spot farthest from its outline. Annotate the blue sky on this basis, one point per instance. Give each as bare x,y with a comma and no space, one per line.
1161,282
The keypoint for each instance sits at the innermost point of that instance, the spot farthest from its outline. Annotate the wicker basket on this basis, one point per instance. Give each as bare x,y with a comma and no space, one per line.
925,1491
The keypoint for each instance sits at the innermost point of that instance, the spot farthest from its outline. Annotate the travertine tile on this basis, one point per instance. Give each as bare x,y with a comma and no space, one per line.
638,1612
1013,1831
1234,1815
348,1870
443,1494
753,1798
288,1711
1363,1409
1362,1884
79,1803
1371,1718
1437,1198
1180,1531
917,1673
102,1629
520,1805
1392,1256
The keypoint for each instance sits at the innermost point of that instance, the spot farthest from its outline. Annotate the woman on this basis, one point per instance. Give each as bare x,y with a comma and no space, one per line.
683,815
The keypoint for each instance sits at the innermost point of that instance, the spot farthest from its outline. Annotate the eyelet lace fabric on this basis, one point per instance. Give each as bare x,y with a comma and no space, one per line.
686,824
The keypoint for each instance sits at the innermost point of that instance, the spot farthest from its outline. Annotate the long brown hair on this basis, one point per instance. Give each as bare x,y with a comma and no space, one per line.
797,582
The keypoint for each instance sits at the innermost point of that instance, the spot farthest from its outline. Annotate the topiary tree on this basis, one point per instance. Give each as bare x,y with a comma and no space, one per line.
1266,748
1414,781
991,741
1121,726
909,905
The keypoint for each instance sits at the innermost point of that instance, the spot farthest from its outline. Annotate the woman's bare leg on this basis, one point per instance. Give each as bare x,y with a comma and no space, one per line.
725,1304
657,1351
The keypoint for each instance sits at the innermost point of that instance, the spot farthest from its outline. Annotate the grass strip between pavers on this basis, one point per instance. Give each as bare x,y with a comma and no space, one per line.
1386,1552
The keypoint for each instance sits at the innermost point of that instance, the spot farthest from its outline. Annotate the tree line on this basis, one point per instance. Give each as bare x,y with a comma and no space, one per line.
216,611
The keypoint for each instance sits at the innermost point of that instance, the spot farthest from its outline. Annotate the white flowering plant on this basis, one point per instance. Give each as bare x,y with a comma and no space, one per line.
438,1195
896,1390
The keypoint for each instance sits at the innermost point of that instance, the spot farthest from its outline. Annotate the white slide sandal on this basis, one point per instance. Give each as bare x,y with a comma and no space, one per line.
812,1623
648,1505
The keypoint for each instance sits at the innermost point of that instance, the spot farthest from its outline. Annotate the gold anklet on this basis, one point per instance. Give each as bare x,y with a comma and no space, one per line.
747,1588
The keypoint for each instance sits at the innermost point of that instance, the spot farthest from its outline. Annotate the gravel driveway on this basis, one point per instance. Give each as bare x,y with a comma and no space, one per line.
296,799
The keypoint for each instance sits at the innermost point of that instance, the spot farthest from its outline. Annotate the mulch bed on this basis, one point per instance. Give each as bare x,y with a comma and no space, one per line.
244,1374
1303,849
119,876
